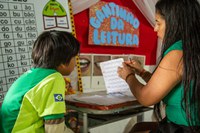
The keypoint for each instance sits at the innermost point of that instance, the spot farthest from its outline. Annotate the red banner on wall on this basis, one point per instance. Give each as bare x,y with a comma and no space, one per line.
147,36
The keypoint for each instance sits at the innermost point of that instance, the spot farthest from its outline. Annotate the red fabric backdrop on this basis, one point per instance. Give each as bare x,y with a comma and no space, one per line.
147,37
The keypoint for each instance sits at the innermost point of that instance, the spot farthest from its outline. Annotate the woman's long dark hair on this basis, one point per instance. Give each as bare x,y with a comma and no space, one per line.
182,18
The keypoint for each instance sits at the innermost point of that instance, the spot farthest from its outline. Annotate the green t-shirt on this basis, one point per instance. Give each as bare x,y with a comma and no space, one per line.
36,95
174,111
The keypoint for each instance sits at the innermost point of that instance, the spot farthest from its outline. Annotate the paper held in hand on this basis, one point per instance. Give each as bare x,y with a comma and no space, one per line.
114,84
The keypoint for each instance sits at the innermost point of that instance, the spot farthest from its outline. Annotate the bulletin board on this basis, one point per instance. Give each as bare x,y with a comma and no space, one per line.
94,27
147,37
21,21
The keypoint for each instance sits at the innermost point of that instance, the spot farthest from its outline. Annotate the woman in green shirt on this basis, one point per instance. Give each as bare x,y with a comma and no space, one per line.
176,80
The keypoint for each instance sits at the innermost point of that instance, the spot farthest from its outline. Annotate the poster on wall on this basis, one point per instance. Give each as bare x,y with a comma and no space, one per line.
92,76
21,21
113,25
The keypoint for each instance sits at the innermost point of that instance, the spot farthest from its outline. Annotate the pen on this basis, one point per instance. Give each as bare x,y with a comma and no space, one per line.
130,59
129,62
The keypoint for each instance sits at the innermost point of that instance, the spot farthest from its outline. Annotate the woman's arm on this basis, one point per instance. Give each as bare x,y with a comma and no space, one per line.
167,75
139,70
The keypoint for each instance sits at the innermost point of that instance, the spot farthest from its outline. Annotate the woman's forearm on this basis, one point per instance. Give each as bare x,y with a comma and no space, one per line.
145,75
135,86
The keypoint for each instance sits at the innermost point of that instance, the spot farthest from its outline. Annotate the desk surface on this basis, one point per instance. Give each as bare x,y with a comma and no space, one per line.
101,103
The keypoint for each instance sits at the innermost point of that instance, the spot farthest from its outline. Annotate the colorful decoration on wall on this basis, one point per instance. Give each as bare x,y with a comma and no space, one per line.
55,16
113,25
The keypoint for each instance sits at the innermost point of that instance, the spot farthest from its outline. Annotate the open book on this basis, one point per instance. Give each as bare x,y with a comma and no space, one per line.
114,84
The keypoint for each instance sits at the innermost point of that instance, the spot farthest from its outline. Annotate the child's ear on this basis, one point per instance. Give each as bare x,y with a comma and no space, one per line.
62,66
63,69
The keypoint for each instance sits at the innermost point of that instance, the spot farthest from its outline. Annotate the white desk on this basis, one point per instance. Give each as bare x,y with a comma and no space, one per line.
99,103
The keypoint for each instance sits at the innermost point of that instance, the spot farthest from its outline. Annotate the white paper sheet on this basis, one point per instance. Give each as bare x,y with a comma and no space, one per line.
100,98
104,99
113,82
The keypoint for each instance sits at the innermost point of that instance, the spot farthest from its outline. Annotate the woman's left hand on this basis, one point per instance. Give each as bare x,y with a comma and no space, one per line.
124,71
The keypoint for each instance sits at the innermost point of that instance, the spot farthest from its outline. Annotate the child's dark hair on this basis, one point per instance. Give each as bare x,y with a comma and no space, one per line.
53,48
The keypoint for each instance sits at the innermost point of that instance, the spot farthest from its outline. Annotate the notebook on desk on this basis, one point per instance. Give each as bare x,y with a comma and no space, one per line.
114,84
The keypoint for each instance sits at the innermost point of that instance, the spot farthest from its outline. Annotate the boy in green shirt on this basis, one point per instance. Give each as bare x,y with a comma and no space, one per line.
35,102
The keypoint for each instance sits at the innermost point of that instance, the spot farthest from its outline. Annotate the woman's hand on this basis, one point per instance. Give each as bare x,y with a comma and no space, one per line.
124,71
135,65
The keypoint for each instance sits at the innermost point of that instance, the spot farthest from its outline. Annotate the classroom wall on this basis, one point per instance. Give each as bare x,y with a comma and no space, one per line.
147,37
147,47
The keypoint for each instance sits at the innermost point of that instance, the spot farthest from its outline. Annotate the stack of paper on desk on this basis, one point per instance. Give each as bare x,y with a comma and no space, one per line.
101,99
114,84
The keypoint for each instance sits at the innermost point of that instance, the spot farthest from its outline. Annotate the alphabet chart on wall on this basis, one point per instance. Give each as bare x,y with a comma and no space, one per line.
21,21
